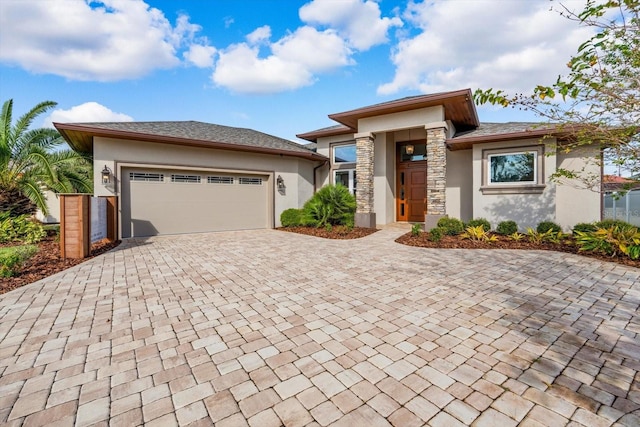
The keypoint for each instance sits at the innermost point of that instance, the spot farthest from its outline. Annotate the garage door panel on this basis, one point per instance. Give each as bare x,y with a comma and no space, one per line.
189,207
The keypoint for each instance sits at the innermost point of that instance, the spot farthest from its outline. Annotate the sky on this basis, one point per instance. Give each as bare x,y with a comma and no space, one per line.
276,66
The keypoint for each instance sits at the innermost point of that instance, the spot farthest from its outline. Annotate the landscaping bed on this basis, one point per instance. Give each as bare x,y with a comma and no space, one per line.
47,261
336,232
504,242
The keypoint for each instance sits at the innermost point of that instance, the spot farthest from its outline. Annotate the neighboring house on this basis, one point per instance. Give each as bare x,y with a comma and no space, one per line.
413,159
614,183
423,157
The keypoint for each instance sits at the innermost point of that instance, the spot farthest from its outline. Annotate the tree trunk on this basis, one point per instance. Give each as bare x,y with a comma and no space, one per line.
17,203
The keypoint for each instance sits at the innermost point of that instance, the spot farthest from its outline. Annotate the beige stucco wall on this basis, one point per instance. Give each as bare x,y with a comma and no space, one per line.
561,203
404,120
459,189
296,173
53,204
576,202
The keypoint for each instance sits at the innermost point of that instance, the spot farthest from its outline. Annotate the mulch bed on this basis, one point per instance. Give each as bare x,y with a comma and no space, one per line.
338,232
47,261
455,242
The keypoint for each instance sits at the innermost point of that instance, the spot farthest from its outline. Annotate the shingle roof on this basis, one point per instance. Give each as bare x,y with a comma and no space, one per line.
486,129
80,135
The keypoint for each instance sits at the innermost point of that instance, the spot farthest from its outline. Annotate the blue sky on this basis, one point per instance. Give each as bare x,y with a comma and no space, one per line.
277,66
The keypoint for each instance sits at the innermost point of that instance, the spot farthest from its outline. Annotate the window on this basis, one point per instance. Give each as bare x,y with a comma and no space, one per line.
146,177
513,170
344,153
413,152
220,180
191,179
250,181
346,177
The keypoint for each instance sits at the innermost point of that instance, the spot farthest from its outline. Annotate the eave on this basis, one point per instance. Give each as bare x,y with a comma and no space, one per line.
80,138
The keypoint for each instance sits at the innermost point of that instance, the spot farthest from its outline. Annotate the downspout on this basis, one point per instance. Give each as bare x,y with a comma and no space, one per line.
324,163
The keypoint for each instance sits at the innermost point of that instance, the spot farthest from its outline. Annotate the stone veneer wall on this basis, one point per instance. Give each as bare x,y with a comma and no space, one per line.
436,171
364,173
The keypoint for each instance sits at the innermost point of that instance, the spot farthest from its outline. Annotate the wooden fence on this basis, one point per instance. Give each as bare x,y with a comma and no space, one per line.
75,223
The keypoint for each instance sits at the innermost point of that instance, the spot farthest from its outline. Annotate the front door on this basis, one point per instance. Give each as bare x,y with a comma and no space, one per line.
411,188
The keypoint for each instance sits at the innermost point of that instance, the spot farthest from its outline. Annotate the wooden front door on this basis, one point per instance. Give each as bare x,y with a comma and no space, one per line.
411,190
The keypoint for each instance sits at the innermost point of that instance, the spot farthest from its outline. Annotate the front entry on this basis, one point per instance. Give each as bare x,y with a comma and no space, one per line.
411,181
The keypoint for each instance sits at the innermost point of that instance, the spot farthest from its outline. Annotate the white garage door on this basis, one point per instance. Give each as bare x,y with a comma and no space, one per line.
159,201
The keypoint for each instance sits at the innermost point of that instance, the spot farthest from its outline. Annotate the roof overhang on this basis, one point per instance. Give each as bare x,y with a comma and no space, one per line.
465,143
332,131
80,138
458,106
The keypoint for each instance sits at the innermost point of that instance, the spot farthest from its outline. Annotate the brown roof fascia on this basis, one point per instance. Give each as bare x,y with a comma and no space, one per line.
110,133
464,143
350,118
314,135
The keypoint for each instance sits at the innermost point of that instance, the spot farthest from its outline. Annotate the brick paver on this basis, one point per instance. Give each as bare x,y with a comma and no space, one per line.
266,328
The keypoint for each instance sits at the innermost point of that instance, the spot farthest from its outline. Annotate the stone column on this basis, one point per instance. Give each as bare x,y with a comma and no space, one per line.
365,216
436,173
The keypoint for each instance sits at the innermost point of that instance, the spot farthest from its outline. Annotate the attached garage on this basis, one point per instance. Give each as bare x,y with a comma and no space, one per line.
193,177
173,201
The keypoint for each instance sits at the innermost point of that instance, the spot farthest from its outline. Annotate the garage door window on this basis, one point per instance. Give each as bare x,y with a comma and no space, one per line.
192,179
146,177
250,181
220,179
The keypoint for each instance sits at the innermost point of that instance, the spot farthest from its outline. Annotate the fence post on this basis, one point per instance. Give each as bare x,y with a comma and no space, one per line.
75,221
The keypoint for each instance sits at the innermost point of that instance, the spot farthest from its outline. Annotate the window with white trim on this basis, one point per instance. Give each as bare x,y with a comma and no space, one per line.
146,177
345,153
190,179
250,181
346,177
513,170
219,180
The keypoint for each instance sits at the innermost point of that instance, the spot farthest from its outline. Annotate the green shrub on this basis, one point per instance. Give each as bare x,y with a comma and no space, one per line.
450,226
20,229
435,234
291,217
613,241
416,229
584,227
51,229
507,228
608,223
545,226
11,258
477,222
332,204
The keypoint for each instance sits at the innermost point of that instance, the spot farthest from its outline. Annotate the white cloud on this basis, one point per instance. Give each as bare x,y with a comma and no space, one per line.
358,21
293,62
83,113
297,58
200,55
259,35
510,45
113,40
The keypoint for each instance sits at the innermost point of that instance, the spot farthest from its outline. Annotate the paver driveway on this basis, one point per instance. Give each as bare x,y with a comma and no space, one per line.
271,328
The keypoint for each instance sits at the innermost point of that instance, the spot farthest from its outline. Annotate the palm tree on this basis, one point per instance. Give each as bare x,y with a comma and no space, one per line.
33,160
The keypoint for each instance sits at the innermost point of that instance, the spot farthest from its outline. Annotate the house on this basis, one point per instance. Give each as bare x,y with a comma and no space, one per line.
423,157
413,159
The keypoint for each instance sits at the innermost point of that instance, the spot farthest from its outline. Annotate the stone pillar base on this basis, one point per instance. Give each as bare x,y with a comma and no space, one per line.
431,221
365,220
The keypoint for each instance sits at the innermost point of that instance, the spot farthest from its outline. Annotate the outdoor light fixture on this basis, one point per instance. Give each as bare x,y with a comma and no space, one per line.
280,182
106,175
409,149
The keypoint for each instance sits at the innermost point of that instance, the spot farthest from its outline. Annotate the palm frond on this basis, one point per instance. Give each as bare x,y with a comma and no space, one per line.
27,118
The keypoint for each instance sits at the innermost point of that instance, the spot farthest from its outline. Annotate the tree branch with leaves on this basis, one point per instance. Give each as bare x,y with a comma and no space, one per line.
598,100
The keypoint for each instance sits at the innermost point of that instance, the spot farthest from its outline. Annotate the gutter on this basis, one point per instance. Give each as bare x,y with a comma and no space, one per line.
315,184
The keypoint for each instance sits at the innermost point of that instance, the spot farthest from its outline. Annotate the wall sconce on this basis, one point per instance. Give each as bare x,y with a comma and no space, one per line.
409,149
280,182
106,175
